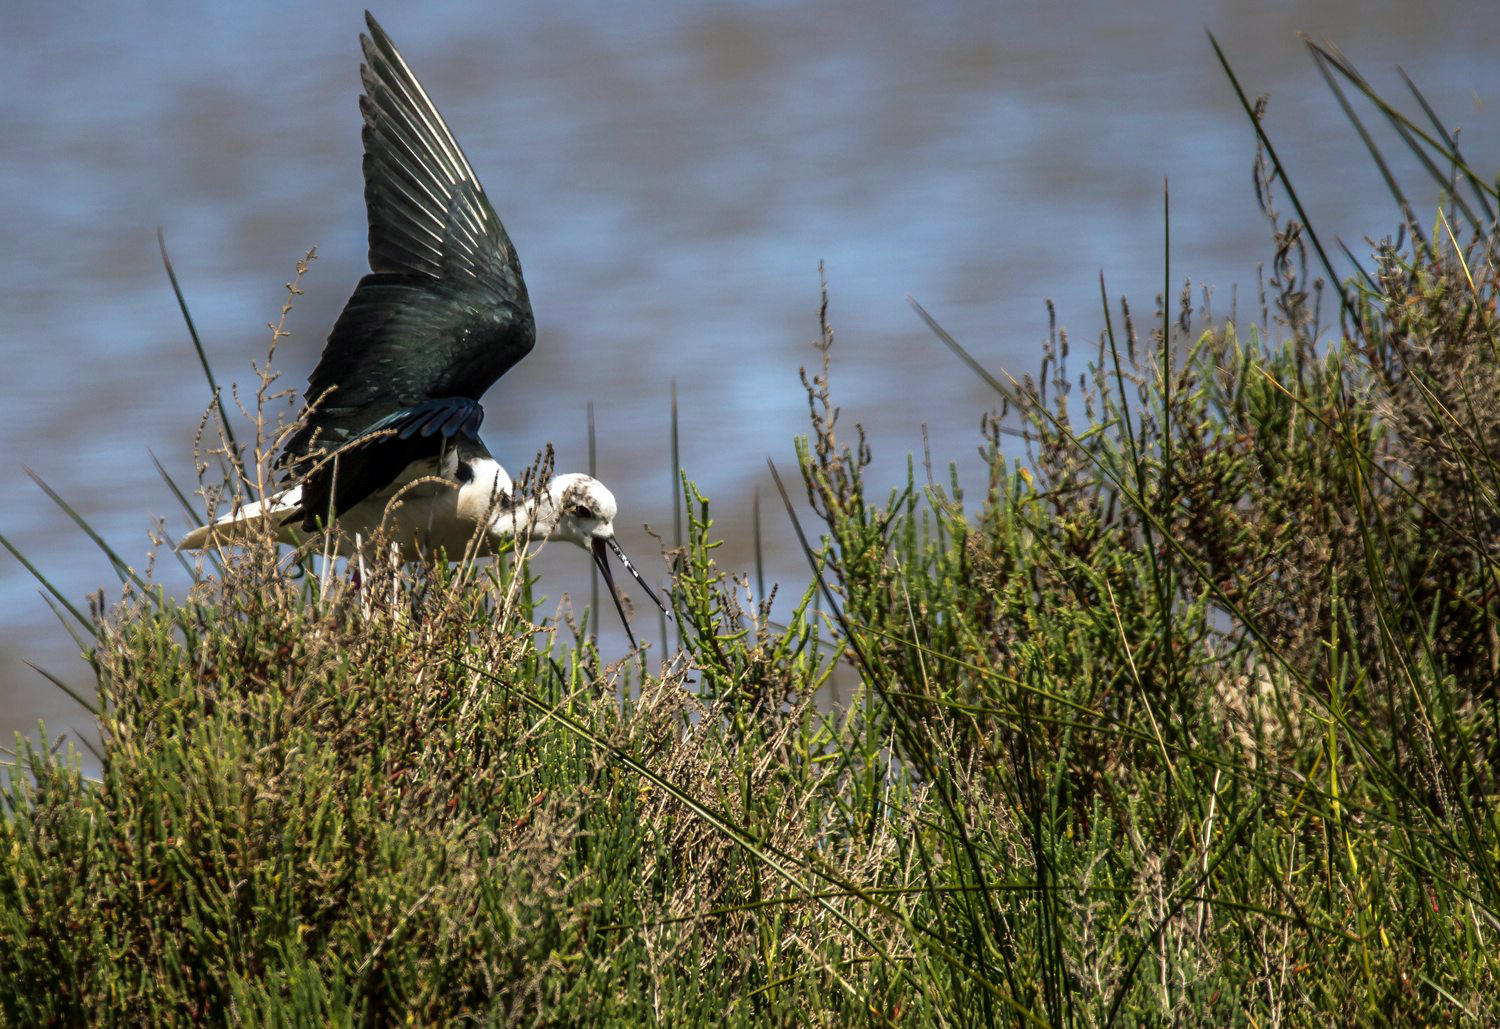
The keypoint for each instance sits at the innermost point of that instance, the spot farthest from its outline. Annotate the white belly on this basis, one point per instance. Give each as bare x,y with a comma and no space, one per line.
420,513
432,515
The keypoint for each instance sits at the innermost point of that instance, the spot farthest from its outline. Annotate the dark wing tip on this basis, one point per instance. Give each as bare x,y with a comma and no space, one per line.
374,27
378,42
428,212
446,309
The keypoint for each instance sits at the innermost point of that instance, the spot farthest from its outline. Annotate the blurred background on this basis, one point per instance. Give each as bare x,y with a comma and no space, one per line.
671,177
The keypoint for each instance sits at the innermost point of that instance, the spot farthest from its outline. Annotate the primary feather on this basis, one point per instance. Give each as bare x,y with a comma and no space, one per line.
444,311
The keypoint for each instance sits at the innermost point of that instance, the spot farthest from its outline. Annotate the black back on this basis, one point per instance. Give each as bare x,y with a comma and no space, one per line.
444,312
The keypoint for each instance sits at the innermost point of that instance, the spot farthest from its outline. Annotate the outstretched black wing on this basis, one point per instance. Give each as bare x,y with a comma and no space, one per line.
444,312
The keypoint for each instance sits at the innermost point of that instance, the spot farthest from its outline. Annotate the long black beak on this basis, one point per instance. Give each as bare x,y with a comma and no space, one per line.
602,560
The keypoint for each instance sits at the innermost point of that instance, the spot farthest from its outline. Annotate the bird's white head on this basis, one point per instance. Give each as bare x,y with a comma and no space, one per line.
577,509
580,510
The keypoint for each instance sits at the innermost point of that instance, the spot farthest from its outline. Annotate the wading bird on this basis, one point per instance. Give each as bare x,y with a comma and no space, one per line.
394,401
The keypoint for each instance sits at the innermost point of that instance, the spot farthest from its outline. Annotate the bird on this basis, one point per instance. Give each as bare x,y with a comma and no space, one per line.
390,440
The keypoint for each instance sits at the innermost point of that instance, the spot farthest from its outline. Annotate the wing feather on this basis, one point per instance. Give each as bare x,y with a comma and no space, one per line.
444,312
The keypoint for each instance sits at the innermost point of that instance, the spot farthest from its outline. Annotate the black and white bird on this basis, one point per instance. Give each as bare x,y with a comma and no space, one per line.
394,408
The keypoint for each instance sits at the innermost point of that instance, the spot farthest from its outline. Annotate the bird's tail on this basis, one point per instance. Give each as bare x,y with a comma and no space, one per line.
283,510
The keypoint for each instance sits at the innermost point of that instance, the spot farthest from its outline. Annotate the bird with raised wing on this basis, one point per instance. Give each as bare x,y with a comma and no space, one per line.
390,441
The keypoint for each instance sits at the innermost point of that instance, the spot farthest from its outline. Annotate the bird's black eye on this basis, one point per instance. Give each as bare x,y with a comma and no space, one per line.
582,511
465,472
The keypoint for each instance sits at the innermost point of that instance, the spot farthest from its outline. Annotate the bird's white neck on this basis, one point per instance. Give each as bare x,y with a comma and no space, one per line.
489,499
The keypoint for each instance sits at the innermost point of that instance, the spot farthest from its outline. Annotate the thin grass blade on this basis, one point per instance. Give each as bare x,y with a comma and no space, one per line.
48,586
208,372
72,694
123,570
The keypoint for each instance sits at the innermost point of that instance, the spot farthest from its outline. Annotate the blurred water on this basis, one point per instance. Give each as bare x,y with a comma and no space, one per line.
672,176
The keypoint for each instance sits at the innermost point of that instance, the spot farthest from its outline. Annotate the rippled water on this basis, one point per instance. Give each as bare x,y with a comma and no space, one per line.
672,180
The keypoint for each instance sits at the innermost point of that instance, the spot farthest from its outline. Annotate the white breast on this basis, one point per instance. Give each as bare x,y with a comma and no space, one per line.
434,514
